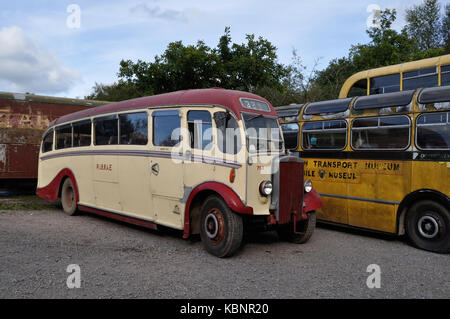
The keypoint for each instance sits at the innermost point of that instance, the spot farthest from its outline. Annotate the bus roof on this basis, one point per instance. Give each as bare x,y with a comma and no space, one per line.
49,99
393,69
215,96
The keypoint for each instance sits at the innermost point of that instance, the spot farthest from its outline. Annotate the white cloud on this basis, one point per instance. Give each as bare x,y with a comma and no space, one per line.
26,67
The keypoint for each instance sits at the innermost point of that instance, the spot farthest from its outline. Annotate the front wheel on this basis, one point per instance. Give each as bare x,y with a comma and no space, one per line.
304,230
221,230
428,226
68,200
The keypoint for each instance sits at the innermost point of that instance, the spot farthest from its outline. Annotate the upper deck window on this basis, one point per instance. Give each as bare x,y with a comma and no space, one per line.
255,105
385,84
445,75
81,133
358,89
200,129
385,100
106,130
435,95
166,128
47,142
134,128
334,106
433,131
420,78
375,133
63,136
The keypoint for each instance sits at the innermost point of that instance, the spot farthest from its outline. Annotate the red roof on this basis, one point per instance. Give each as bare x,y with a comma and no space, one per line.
214,96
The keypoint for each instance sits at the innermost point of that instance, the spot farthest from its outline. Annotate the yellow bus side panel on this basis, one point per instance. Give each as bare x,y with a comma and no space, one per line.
431,175
360,193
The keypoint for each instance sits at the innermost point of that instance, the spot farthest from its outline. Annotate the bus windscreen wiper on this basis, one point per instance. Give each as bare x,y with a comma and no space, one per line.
254,117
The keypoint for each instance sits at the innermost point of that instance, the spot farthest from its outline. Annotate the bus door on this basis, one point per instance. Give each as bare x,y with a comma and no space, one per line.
134,172
106,169
199,164
166,168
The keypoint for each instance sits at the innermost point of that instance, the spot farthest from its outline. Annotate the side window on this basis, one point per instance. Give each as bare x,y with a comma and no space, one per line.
228,133
134,128
420,79
385,84
166,128
390,133
81,133
47,142
358,89
324,135
200,129
290,134
445,75
106,130
433,131
63,137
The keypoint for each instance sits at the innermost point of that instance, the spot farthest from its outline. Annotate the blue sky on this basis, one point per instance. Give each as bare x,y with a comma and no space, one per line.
41,53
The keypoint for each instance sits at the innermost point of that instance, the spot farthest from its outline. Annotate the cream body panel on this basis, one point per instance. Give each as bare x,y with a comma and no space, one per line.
257,172
134,186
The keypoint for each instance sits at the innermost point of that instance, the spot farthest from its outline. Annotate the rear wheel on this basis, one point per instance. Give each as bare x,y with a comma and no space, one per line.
68,199
428,226
221,230
304,230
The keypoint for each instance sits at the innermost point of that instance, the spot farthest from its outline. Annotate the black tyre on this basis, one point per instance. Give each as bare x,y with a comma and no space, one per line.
68,198
428,226
221,230
304,230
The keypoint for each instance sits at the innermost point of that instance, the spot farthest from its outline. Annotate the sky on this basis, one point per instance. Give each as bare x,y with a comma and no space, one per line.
62,48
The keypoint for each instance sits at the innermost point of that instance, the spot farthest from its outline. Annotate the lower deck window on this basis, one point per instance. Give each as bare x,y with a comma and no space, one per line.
106,130
433,131
82,133
166,128
290,134
47,142
390,133
200,129
63,137
134,128
324,135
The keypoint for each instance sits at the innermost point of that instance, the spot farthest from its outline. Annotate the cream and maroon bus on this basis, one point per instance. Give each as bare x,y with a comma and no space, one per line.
208,162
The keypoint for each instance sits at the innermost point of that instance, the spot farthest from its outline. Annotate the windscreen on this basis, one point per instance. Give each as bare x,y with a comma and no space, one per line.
263,133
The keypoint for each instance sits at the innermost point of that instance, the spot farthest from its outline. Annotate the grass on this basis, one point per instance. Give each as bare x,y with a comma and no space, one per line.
27,202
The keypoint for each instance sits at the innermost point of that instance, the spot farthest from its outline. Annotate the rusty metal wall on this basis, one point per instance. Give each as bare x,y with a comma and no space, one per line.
23,119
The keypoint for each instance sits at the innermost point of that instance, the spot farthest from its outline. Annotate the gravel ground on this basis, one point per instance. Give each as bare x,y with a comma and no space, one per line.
122,261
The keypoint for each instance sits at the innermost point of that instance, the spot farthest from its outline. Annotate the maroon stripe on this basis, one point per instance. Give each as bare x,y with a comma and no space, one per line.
126,219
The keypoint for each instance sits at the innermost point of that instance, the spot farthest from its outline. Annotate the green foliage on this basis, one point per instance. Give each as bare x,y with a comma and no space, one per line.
253,66
446,28
248,67
424,25
387,47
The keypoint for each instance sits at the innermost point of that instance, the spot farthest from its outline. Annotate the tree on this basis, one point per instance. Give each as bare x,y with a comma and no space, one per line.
424,25
247,66
446,28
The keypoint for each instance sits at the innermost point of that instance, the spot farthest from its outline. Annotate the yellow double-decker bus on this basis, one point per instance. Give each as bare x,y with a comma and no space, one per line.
380,162
430,72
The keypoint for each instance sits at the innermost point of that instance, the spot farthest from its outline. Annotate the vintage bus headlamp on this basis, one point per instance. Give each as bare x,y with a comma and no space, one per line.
308,186
265,188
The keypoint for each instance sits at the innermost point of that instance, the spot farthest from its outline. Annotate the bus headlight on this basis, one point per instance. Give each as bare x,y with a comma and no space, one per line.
308,186
265,188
